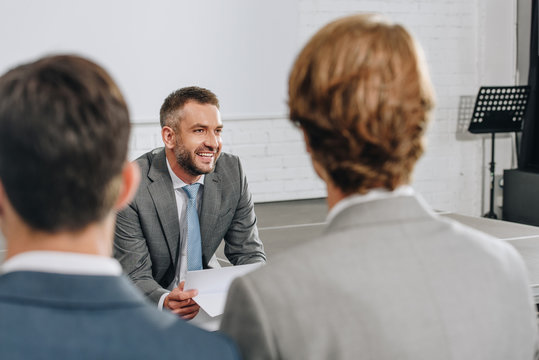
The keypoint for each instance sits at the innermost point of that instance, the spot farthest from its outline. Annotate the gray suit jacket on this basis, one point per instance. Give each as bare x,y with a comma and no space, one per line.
57,316
387,280
147,233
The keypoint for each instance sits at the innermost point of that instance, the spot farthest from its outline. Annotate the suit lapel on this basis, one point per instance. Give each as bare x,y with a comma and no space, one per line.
209,213
162,193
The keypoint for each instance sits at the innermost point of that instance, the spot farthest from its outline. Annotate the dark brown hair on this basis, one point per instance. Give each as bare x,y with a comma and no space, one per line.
64,131
360,91
178,98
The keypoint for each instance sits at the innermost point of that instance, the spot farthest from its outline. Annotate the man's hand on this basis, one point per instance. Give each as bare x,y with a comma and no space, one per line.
181,302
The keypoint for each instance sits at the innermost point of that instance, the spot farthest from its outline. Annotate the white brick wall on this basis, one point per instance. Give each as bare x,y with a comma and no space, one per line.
279,166
452,173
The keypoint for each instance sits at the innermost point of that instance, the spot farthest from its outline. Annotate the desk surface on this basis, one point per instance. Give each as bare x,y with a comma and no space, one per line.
498,228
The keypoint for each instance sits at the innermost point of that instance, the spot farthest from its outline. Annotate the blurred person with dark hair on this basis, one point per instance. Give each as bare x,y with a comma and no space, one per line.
64,130
388,278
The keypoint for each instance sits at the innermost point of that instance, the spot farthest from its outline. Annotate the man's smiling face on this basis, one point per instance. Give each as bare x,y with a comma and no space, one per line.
198,138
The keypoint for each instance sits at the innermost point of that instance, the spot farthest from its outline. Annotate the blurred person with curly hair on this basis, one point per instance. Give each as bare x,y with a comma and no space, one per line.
388,278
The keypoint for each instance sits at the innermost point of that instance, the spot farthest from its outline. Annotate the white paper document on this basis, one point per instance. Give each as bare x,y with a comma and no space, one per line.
206,322
213,284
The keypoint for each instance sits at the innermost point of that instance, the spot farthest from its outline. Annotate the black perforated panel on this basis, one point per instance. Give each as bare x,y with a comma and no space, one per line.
499,109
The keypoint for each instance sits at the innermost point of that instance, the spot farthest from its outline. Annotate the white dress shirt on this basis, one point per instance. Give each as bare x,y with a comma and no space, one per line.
374,194
62,263
181,203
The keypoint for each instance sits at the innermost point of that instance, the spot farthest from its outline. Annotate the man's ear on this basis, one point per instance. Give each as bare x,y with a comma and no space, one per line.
130,182
169,137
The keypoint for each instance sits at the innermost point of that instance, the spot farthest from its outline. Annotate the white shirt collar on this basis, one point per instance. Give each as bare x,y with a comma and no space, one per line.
62,263
178,183
374,194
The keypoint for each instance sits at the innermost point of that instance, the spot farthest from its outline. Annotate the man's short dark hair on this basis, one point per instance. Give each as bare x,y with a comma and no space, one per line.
179,98
64,131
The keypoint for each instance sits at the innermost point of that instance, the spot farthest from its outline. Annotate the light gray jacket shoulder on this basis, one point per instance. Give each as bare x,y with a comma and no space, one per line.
387,280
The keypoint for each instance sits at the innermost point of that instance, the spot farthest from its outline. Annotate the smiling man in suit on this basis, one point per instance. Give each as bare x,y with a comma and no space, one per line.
64,131
388,278
192,196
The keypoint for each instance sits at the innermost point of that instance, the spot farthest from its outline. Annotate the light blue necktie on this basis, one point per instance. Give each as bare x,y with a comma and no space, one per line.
194,247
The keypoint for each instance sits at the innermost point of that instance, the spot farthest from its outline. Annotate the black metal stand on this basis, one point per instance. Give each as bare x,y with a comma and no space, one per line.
498,109
491,214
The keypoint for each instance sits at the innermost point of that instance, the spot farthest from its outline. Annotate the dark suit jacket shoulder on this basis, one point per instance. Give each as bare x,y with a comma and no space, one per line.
55,316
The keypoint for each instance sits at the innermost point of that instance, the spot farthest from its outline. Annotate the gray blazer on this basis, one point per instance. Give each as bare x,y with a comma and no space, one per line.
57,316
147,232
387,280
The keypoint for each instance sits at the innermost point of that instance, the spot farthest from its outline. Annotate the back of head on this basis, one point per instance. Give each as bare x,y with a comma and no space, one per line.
64,131
360,91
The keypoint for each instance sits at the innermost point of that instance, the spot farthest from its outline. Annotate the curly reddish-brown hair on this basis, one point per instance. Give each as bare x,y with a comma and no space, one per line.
360,91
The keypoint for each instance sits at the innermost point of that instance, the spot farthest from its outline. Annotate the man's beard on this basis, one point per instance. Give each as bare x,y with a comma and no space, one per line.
186,160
